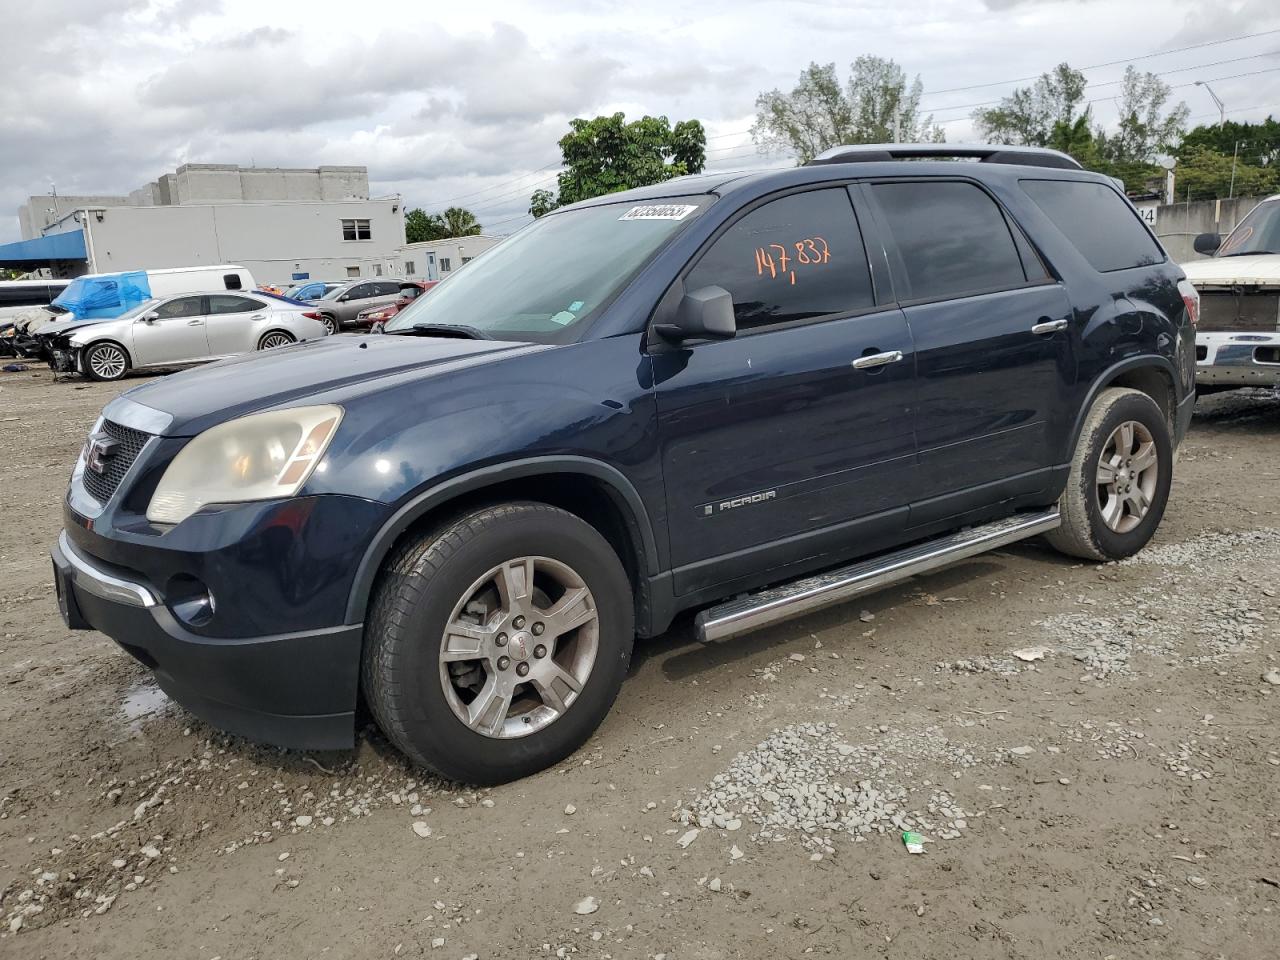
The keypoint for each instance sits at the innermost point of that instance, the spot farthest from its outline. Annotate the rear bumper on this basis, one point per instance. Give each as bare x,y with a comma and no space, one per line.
1238,359
292,690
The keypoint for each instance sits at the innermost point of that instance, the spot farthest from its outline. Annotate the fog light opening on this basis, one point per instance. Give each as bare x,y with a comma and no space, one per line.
189,600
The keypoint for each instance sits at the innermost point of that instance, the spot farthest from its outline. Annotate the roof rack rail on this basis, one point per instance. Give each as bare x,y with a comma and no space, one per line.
983,152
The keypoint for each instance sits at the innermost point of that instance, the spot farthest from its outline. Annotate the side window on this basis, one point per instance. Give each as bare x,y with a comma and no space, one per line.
225,303
361,291
791,259
953,239
181,307
232,281
1098,222
388,288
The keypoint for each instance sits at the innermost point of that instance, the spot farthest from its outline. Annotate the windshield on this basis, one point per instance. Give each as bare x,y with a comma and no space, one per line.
139,310
333,294
546,280
1259,232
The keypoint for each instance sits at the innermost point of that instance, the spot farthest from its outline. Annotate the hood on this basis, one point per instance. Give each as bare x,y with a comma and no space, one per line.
344,366
1261,268
63,325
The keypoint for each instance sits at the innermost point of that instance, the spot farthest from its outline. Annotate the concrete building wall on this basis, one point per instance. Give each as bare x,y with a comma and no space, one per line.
1177,224
273,240
429,260
39,213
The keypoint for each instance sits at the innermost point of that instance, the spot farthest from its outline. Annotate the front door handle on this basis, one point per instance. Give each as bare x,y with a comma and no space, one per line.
1049,326
877,359
194,323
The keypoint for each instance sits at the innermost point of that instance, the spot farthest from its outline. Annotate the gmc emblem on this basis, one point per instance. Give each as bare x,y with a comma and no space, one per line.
101,448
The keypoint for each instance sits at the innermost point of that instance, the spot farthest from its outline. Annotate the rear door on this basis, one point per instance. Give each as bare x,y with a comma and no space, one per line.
235,323
776,450
174,332
995,365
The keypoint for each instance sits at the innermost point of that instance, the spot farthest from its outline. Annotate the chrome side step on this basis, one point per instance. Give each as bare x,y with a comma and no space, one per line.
799,597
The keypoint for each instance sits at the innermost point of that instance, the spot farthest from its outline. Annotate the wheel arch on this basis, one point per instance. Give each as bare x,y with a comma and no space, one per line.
594,491
128,354
1151,374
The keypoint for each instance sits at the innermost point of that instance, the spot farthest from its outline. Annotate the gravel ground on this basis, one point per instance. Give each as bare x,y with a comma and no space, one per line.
1089,753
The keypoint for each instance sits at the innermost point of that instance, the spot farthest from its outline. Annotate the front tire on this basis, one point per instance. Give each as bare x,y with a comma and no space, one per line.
106,361
497,641
1120,476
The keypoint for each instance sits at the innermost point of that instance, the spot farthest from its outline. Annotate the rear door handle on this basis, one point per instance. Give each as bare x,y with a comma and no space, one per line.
258,316
877,359
1051,326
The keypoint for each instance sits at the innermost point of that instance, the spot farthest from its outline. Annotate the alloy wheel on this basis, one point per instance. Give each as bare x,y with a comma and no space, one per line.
1128,469
108,361
273,340
519,647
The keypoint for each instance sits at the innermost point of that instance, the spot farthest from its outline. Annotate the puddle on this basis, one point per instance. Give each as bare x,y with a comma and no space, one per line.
143,701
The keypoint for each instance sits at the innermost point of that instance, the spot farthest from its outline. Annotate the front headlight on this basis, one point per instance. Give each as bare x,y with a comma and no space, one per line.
258,457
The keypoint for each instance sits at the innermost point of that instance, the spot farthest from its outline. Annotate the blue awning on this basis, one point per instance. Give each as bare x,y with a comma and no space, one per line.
43,250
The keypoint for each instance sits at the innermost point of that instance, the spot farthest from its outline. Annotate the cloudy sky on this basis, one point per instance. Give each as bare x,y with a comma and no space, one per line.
464,102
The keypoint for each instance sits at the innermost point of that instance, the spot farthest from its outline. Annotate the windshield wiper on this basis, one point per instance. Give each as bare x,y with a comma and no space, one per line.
456,330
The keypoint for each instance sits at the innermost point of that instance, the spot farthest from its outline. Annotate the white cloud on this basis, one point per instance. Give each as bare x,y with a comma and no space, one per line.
466,102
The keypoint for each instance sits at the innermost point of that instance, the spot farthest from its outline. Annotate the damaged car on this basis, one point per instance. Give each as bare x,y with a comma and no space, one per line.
1238,337
175,331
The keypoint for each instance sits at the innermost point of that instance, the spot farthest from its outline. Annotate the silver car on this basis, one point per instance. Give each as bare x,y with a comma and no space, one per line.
173,331
343,304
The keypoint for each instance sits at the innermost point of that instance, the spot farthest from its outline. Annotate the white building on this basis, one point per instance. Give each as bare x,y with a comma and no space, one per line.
436,259
282,224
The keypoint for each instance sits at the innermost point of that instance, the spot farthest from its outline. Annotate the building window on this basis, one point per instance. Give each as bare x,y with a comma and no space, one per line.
445,265
465,261
356,230
353,271
409,267
377,269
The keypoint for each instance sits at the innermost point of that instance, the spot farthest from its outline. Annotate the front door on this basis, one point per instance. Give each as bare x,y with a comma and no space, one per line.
994,363
776,449
173,332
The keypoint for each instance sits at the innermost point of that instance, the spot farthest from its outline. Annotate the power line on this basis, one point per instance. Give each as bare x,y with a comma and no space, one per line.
1110,63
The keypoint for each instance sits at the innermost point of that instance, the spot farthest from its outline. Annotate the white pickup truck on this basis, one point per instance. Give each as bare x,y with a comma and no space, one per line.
1238,338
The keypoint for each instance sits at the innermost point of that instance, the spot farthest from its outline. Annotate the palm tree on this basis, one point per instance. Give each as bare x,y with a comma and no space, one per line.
460,222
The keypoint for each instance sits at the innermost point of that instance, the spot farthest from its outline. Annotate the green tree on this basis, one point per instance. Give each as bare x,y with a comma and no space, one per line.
1256,143
460,222
1038,114
607,154
419,226
541,203
1205,174
878,105
1146,128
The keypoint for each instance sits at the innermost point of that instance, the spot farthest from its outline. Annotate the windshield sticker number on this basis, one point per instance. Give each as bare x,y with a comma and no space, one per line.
810,251
660,211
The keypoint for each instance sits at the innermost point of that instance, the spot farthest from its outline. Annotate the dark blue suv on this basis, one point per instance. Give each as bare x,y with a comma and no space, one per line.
753,393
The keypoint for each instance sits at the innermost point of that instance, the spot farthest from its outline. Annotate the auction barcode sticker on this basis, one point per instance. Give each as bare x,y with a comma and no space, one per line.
660,211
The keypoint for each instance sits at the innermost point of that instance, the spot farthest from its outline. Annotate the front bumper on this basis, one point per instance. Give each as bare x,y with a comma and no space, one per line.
1238,359
292,690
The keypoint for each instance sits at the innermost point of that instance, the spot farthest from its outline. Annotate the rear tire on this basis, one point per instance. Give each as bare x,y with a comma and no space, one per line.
330,324
447,639
1119,481
275,338
105,361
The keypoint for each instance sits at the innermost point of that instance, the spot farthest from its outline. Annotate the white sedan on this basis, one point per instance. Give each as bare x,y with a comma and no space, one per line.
174,331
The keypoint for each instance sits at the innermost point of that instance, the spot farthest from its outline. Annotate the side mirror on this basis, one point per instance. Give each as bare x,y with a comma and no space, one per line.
1207,243
344,298
704,314
149,318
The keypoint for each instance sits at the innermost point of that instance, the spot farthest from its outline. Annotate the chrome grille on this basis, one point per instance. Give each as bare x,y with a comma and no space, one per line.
102,486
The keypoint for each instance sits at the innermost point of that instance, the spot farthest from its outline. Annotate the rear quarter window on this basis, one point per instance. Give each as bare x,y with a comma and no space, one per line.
1098,221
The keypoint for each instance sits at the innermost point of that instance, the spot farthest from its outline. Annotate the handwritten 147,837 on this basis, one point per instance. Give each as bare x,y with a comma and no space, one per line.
810,251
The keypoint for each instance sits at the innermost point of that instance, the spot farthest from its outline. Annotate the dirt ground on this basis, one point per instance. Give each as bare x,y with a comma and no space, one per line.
1108,791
